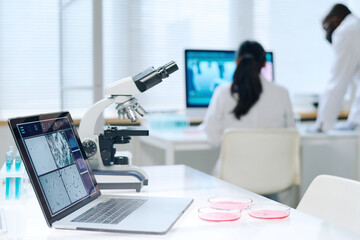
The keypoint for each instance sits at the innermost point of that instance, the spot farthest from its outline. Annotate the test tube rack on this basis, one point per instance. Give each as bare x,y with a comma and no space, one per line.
14,183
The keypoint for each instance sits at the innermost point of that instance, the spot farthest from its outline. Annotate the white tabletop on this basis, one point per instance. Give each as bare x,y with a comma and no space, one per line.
195,134
183,135
25,219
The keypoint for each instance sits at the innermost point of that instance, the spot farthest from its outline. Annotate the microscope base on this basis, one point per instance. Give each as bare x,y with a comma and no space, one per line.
137,186
114,180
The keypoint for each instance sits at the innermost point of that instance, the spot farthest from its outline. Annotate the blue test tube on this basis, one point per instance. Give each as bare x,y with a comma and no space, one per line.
8,162
17,179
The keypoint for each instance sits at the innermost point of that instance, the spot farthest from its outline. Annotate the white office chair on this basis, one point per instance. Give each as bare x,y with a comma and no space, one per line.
335,200
264,161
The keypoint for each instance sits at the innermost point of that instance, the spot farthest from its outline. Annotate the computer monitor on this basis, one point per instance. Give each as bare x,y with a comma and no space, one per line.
206,69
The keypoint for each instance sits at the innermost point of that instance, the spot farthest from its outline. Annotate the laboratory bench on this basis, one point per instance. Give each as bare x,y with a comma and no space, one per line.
25,220
334,153
329,153
311,115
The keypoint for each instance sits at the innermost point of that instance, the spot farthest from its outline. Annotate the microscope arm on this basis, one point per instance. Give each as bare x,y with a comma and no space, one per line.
86,131
88,123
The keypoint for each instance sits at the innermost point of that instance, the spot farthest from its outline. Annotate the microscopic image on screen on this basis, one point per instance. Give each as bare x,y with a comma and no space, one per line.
40,154
60,149
88,183
73,183
54,190
71,138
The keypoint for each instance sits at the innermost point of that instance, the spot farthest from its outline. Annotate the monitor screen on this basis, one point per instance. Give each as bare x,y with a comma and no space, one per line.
206,69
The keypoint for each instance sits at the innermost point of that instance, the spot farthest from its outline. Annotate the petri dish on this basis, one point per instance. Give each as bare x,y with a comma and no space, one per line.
269,211
218,215
230,202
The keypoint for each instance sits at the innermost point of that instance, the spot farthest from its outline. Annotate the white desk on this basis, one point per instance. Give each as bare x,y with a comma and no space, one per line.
25,221
335,153
190,139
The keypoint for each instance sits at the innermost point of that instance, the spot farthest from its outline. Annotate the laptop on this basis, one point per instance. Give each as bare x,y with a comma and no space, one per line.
67,190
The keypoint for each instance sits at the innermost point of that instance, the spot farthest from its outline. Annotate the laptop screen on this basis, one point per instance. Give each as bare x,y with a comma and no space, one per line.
55,160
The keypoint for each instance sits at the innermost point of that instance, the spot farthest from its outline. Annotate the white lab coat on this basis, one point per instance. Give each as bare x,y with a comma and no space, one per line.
272,110
345,68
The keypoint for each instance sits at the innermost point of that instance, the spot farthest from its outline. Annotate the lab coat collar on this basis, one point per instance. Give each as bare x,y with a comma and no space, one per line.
348,20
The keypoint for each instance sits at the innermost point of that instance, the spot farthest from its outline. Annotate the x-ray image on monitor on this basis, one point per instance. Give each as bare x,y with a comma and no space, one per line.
206,69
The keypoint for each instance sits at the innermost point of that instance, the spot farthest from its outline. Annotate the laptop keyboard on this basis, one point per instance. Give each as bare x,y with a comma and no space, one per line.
110,212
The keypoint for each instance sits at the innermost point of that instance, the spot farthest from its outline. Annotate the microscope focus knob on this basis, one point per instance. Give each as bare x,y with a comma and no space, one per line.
122,160
89,147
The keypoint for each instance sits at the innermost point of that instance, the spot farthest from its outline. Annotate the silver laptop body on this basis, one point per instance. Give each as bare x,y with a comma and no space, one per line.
67,190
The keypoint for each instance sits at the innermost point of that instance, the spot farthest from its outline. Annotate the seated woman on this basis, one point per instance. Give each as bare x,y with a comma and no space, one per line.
250,101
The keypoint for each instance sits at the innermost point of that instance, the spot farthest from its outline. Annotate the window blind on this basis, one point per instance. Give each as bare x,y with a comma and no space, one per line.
46,51
29,63
140,34
45,57
76,56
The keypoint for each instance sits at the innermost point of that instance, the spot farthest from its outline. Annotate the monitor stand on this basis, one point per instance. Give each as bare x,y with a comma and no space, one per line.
195,115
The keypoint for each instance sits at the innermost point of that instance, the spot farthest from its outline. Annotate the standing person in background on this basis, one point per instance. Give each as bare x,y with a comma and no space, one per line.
343,32
250,101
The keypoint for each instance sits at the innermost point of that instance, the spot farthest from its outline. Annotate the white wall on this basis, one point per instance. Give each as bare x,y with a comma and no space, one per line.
293,31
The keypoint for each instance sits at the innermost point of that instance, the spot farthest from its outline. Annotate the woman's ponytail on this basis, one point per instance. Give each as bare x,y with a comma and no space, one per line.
246,82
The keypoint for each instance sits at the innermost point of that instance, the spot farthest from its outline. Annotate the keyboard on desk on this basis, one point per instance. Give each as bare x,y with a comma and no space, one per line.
110,212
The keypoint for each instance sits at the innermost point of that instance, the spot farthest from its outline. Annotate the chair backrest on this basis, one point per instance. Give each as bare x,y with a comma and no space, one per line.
335,200
264,161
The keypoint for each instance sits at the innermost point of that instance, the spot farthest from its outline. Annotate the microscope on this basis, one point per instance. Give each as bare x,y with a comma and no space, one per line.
99,148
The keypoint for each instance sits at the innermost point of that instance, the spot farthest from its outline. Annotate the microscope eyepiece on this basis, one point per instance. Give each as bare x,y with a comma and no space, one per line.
171,67
151,76
167,69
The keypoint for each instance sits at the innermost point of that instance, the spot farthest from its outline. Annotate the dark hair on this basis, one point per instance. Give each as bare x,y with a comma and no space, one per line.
339,10
246,81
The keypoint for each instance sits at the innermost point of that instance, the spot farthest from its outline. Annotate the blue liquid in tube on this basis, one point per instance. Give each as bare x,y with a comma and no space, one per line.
17,187
18,179
8,186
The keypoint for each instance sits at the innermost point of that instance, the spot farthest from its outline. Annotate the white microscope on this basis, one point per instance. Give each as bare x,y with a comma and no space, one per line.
100,148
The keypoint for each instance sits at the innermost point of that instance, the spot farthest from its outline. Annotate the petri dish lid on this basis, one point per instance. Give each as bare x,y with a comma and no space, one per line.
218,215
268,211
230,202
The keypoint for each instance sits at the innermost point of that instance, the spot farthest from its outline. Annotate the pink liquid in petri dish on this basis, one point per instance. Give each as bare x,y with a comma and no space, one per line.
229,205
269,214
219,216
